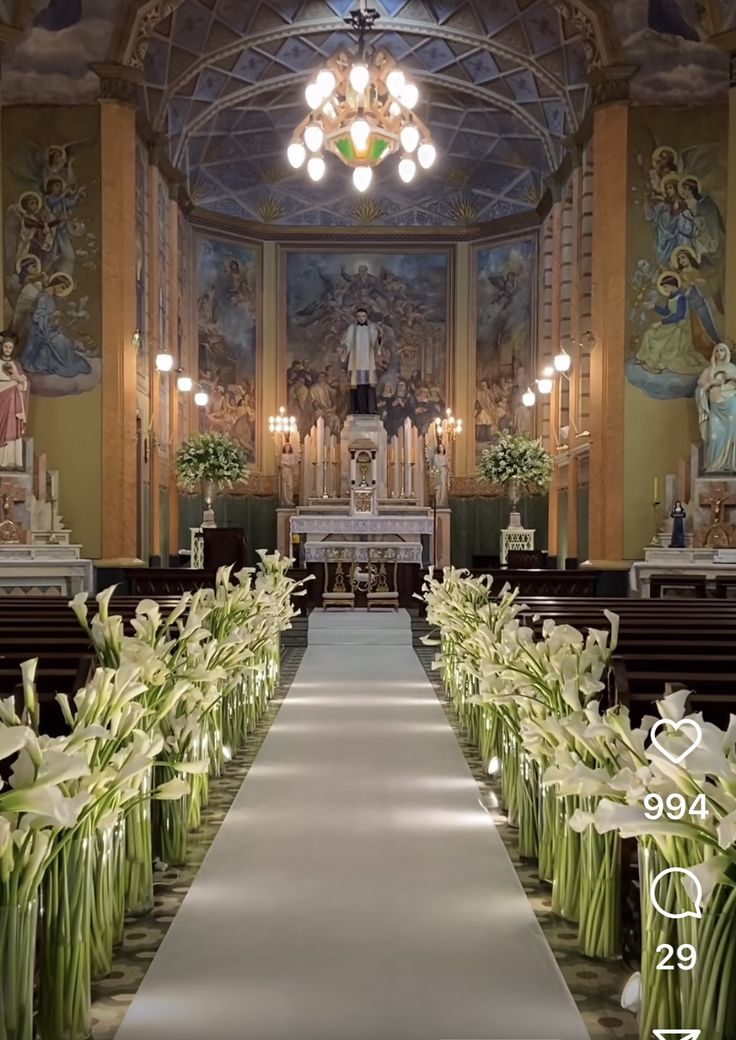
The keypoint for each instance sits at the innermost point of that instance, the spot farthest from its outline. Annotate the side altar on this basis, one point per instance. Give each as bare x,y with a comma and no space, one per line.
37,555
695,525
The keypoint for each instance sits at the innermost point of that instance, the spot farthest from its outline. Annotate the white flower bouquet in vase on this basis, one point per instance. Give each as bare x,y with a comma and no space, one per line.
520,465
209,462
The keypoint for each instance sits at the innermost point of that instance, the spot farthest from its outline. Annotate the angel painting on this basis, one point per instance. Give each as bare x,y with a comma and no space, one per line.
685,265
42,221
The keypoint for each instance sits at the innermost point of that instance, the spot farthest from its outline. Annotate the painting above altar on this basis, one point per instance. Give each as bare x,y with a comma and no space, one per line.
406,293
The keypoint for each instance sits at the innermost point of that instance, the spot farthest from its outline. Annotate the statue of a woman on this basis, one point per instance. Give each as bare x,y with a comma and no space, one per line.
286,475
441,467
715,396
678,514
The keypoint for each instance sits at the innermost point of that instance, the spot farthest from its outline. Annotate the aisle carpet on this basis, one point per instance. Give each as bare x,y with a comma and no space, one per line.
356,890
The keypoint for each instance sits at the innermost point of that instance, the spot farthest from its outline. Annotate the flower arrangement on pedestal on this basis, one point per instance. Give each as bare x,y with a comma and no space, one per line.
207,462
518,463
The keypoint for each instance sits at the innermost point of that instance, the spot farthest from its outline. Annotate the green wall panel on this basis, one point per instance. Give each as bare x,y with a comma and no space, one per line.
477,525
257,515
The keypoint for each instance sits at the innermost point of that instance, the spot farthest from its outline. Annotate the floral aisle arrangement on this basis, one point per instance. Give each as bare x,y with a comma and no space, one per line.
140,734
606,781
503,679
518,463
683,815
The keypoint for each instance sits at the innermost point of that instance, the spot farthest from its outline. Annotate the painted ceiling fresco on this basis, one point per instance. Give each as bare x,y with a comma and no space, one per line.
503,88
668,40
503,84
50,63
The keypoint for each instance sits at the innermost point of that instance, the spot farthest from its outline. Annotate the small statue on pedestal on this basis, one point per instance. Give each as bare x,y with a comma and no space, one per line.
287,464
678,514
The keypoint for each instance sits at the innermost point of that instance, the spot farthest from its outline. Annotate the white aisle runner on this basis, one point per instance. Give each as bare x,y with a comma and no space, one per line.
356,889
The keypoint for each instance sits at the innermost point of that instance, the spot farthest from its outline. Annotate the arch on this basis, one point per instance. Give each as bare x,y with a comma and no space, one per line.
253,90
329,25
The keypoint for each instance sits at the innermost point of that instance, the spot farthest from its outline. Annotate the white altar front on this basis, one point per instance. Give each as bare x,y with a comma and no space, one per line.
37,556
44,570
670,563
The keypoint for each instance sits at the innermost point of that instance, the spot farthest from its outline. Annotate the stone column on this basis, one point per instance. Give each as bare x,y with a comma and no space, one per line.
118,262
727,42
610,206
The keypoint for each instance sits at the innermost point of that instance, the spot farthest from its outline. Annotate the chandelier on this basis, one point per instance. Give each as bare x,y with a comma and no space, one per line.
362,110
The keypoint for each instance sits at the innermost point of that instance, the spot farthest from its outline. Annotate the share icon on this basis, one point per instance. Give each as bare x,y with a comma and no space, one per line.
676,1034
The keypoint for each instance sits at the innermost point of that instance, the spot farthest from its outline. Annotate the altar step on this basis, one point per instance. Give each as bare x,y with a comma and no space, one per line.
360,627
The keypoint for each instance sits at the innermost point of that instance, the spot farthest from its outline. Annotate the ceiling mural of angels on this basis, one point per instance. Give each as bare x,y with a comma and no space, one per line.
51,249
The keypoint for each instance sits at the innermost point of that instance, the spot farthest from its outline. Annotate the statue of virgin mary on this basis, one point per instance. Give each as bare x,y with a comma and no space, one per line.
715,396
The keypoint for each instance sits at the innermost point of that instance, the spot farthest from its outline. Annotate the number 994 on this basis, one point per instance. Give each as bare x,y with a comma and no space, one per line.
674,807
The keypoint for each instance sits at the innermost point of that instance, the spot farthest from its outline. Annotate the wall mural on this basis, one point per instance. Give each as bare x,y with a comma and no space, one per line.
677,251
51,200
505,279
227,325
407,292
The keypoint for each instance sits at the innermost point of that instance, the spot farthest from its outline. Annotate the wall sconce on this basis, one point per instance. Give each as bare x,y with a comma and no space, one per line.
164,362
184,383
201,398
544,384
562,362
528,398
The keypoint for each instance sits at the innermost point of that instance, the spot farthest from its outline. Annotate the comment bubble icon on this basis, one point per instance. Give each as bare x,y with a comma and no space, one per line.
696,899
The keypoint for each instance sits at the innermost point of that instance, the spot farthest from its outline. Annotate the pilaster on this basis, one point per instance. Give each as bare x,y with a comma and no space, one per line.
610,206
271,379
118,265
461,391
727,42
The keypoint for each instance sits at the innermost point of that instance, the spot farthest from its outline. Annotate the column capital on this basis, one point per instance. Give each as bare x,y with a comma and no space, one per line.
611,85
118,82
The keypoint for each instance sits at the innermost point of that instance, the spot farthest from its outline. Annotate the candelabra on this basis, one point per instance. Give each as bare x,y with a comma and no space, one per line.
282,424
447,429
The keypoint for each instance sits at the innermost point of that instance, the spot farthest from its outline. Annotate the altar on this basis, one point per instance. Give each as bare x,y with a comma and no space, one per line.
37,555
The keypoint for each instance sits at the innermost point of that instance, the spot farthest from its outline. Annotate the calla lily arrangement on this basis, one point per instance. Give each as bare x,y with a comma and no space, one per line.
76,811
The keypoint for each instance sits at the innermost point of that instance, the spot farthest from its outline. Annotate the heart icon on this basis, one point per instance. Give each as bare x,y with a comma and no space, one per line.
683,724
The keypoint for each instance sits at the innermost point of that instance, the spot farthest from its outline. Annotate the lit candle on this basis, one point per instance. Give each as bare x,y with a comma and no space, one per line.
656,489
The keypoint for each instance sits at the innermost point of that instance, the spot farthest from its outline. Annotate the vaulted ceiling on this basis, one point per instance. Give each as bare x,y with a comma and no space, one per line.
504,84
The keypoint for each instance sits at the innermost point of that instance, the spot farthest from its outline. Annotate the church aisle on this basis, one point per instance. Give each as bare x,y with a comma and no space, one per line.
356,890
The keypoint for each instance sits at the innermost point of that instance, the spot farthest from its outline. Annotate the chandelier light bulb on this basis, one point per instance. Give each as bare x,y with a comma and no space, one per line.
201,398
184,384
316,167
296,153
362,177
529,398
409,137
360,77
329,110
395,82
326,82
394,109
314,95
360,131
407,169
164,362
409,95
314,137
426,154
562,361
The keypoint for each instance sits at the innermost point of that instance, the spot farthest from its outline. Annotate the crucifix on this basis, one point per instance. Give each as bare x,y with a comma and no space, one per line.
10,495
717,534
